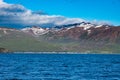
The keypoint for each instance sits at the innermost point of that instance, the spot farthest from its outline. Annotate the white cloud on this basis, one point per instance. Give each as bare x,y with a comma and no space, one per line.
1,1
102,22
18,14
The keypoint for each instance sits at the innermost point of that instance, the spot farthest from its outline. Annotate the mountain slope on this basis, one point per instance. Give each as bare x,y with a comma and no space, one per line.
103,33
19,41
82,37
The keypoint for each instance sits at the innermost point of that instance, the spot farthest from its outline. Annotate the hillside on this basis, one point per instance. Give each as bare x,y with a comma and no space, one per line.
19,41
82,37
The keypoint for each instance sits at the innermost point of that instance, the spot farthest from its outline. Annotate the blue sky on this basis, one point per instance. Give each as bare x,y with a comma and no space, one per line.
108,10
21,13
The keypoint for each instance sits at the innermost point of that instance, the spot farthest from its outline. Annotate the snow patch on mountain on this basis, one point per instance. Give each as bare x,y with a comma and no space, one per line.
63,28
35,30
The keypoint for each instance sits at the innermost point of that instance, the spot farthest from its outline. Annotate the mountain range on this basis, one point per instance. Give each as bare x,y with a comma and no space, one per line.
79,37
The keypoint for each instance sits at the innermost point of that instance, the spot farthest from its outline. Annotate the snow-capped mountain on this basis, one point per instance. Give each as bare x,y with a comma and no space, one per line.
85,36
66,29
84,25
78,31
35,30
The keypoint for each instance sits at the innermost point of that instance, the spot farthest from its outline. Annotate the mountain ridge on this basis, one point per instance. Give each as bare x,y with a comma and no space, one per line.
84,37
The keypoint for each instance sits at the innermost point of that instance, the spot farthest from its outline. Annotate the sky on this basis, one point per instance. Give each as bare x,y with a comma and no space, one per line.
71,10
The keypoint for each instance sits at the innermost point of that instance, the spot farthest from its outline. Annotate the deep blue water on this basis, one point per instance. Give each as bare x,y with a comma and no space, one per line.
59,67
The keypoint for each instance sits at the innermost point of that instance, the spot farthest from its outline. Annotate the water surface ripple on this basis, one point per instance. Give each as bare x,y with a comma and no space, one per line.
59,67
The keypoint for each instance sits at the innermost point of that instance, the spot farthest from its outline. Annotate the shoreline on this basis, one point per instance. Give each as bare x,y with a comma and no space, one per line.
49,52
58,53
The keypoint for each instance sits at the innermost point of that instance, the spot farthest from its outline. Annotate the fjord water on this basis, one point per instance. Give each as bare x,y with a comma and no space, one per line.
59,67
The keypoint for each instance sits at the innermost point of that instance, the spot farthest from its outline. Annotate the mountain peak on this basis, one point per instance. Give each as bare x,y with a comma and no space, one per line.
35,30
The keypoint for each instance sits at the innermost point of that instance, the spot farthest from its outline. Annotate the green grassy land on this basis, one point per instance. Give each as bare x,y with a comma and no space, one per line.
21,42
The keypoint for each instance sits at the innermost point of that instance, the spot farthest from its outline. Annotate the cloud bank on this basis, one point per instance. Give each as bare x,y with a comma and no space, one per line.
1,1
16,14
